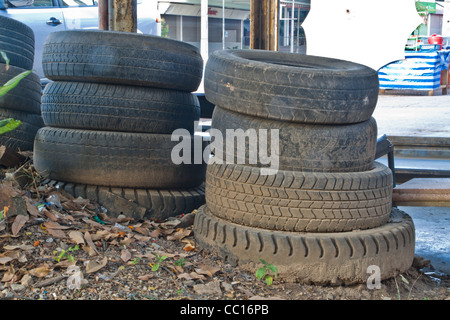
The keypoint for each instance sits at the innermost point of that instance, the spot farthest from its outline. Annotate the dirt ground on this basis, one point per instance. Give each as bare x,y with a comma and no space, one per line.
55,247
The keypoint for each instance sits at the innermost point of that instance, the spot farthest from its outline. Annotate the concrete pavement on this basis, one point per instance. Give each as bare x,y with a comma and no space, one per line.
413,113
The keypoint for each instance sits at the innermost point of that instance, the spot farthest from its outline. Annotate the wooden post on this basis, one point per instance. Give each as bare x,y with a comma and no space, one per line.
264,24
122,15
103,15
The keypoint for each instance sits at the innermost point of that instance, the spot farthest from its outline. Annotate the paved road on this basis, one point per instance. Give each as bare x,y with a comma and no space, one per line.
406,113
417,114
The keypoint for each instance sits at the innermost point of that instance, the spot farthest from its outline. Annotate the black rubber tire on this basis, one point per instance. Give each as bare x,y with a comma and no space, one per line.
160,204
300,201
302,147
114,159
292,87
319,258
122,58
112,107
21,138
26,96
17,41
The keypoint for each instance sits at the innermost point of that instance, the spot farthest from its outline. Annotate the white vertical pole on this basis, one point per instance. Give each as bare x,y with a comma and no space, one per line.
223,24
292,25
203,35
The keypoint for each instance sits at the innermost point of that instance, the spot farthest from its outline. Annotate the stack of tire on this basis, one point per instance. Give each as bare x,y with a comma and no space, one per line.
325,216
109,113
23,102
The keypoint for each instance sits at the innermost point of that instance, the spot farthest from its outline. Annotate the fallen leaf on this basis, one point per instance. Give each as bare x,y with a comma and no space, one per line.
54,225
88,238
76,237
40,272
56,233
125,255
146,277
32,209
189,247
207,270
94,266
18,223
179,234
191,276
4,260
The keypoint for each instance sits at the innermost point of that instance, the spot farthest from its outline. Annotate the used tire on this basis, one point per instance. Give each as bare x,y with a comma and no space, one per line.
110,107
300,201
17,41
292,87
160,204
26,96
122,58
21,138
302,147
319,258
115,159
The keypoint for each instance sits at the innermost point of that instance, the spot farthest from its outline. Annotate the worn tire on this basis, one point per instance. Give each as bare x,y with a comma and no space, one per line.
319,258
292,87
302,147
300,201
122,58
17,41
160,204
21,138
111,107
26,96
114,159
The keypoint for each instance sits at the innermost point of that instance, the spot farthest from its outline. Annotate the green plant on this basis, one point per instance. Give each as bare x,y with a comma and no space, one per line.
10,124
180,262
264,272
155,267
11,84
64,254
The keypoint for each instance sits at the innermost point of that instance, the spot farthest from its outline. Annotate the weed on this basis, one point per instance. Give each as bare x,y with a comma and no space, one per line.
155,266
264,272
64,254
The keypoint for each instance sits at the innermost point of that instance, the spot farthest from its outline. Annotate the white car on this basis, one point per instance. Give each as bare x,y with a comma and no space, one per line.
46,16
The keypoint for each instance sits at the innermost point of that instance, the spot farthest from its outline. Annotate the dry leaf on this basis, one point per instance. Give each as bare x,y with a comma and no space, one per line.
207,270
94,266
4,260
76,237
32,209
125,255
191,276
56,233
88,238
146,277
55,225
18,223
179,234
189,247
40,272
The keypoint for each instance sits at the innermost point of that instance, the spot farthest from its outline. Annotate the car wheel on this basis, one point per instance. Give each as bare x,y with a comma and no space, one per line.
122,58
302,147
111,107
292,87
319,258
300,201
17,41
115,159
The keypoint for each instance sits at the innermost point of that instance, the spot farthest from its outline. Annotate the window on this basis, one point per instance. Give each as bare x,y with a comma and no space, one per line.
30,3
78,3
